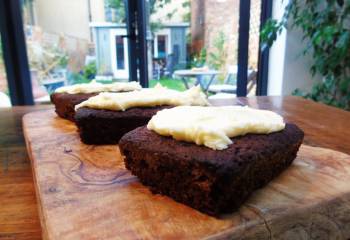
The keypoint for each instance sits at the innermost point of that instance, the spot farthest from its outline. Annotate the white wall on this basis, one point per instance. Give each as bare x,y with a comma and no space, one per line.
69,17
296,72
288,68
97,10
277,53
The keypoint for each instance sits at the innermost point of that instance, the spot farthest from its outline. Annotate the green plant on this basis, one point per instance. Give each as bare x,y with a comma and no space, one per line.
90,70
199,60
175,84
118,6
217,57
155,5
76,78
325,26
186,17
62,60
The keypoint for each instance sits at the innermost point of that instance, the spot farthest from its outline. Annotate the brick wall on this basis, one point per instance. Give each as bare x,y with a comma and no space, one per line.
209,17
254,33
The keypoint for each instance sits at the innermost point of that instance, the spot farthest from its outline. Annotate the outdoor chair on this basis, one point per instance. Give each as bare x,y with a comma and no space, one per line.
169,66
157,68
222,96
165,67
251,84
229,85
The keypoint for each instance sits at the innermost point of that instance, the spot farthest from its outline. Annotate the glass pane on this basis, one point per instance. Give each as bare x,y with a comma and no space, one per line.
202,37
169,42
119,41
195,42
254,34
71,42
162,46
4,92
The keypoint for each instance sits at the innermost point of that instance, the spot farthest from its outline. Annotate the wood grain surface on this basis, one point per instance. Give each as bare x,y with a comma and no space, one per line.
324,126
84,192
18,209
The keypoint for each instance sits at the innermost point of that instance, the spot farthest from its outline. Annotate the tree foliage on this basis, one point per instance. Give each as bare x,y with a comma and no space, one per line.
119,7
325,26
154,6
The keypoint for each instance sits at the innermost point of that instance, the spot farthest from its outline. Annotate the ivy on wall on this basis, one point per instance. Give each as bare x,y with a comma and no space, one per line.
326,30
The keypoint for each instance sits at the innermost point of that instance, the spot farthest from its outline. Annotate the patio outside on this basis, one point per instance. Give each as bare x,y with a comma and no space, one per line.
185,44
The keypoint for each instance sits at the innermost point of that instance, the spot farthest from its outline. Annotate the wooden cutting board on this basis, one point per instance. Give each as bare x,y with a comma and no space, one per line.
84,192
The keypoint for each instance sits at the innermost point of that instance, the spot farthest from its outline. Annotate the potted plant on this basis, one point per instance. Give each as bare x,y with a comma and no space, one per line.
325,27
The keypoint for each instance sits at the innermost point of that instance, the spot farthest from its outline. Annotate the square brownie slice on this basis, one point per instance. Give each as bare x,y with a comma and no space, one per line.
98,126
211,181
65,103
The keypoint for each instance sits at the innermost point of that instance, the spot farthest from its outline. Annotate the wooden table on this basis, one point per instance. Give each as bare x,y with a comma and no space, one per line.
18,208
324,126
198,74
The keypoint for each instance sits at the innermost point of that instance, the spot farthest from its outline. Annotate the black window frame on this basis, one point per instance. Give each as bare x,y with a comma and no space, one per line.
15,53
263,58
243,47
136,18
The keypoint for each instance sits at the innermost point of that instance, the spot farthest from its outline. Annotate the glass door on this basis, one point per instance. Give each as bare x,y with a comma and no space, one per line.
198,42
119,54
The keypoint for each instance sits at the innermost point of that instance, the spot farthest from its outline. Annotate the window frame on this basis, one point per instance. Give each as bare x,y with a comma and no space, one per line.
16,60
15,53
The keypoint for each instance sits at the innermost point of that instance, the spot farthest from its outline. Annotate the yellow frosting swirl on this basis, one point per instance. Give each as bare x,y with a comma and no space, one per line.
146,97
95,87
214,126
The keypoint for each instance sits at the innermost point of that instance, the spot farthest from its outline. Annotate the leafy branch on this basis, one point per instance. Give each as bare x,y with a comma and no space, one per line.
325,27
119,7
154,6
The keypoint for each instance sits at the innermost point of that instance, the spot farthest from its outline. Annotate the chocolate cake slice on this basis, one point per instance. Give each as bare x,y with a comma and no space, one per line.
66,98
214,182
103,119
98,126
65,103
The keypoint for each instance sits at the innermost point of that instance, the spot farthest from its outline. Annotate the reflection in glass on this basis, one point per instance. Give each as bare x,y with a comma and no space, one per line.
161,42
119,41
